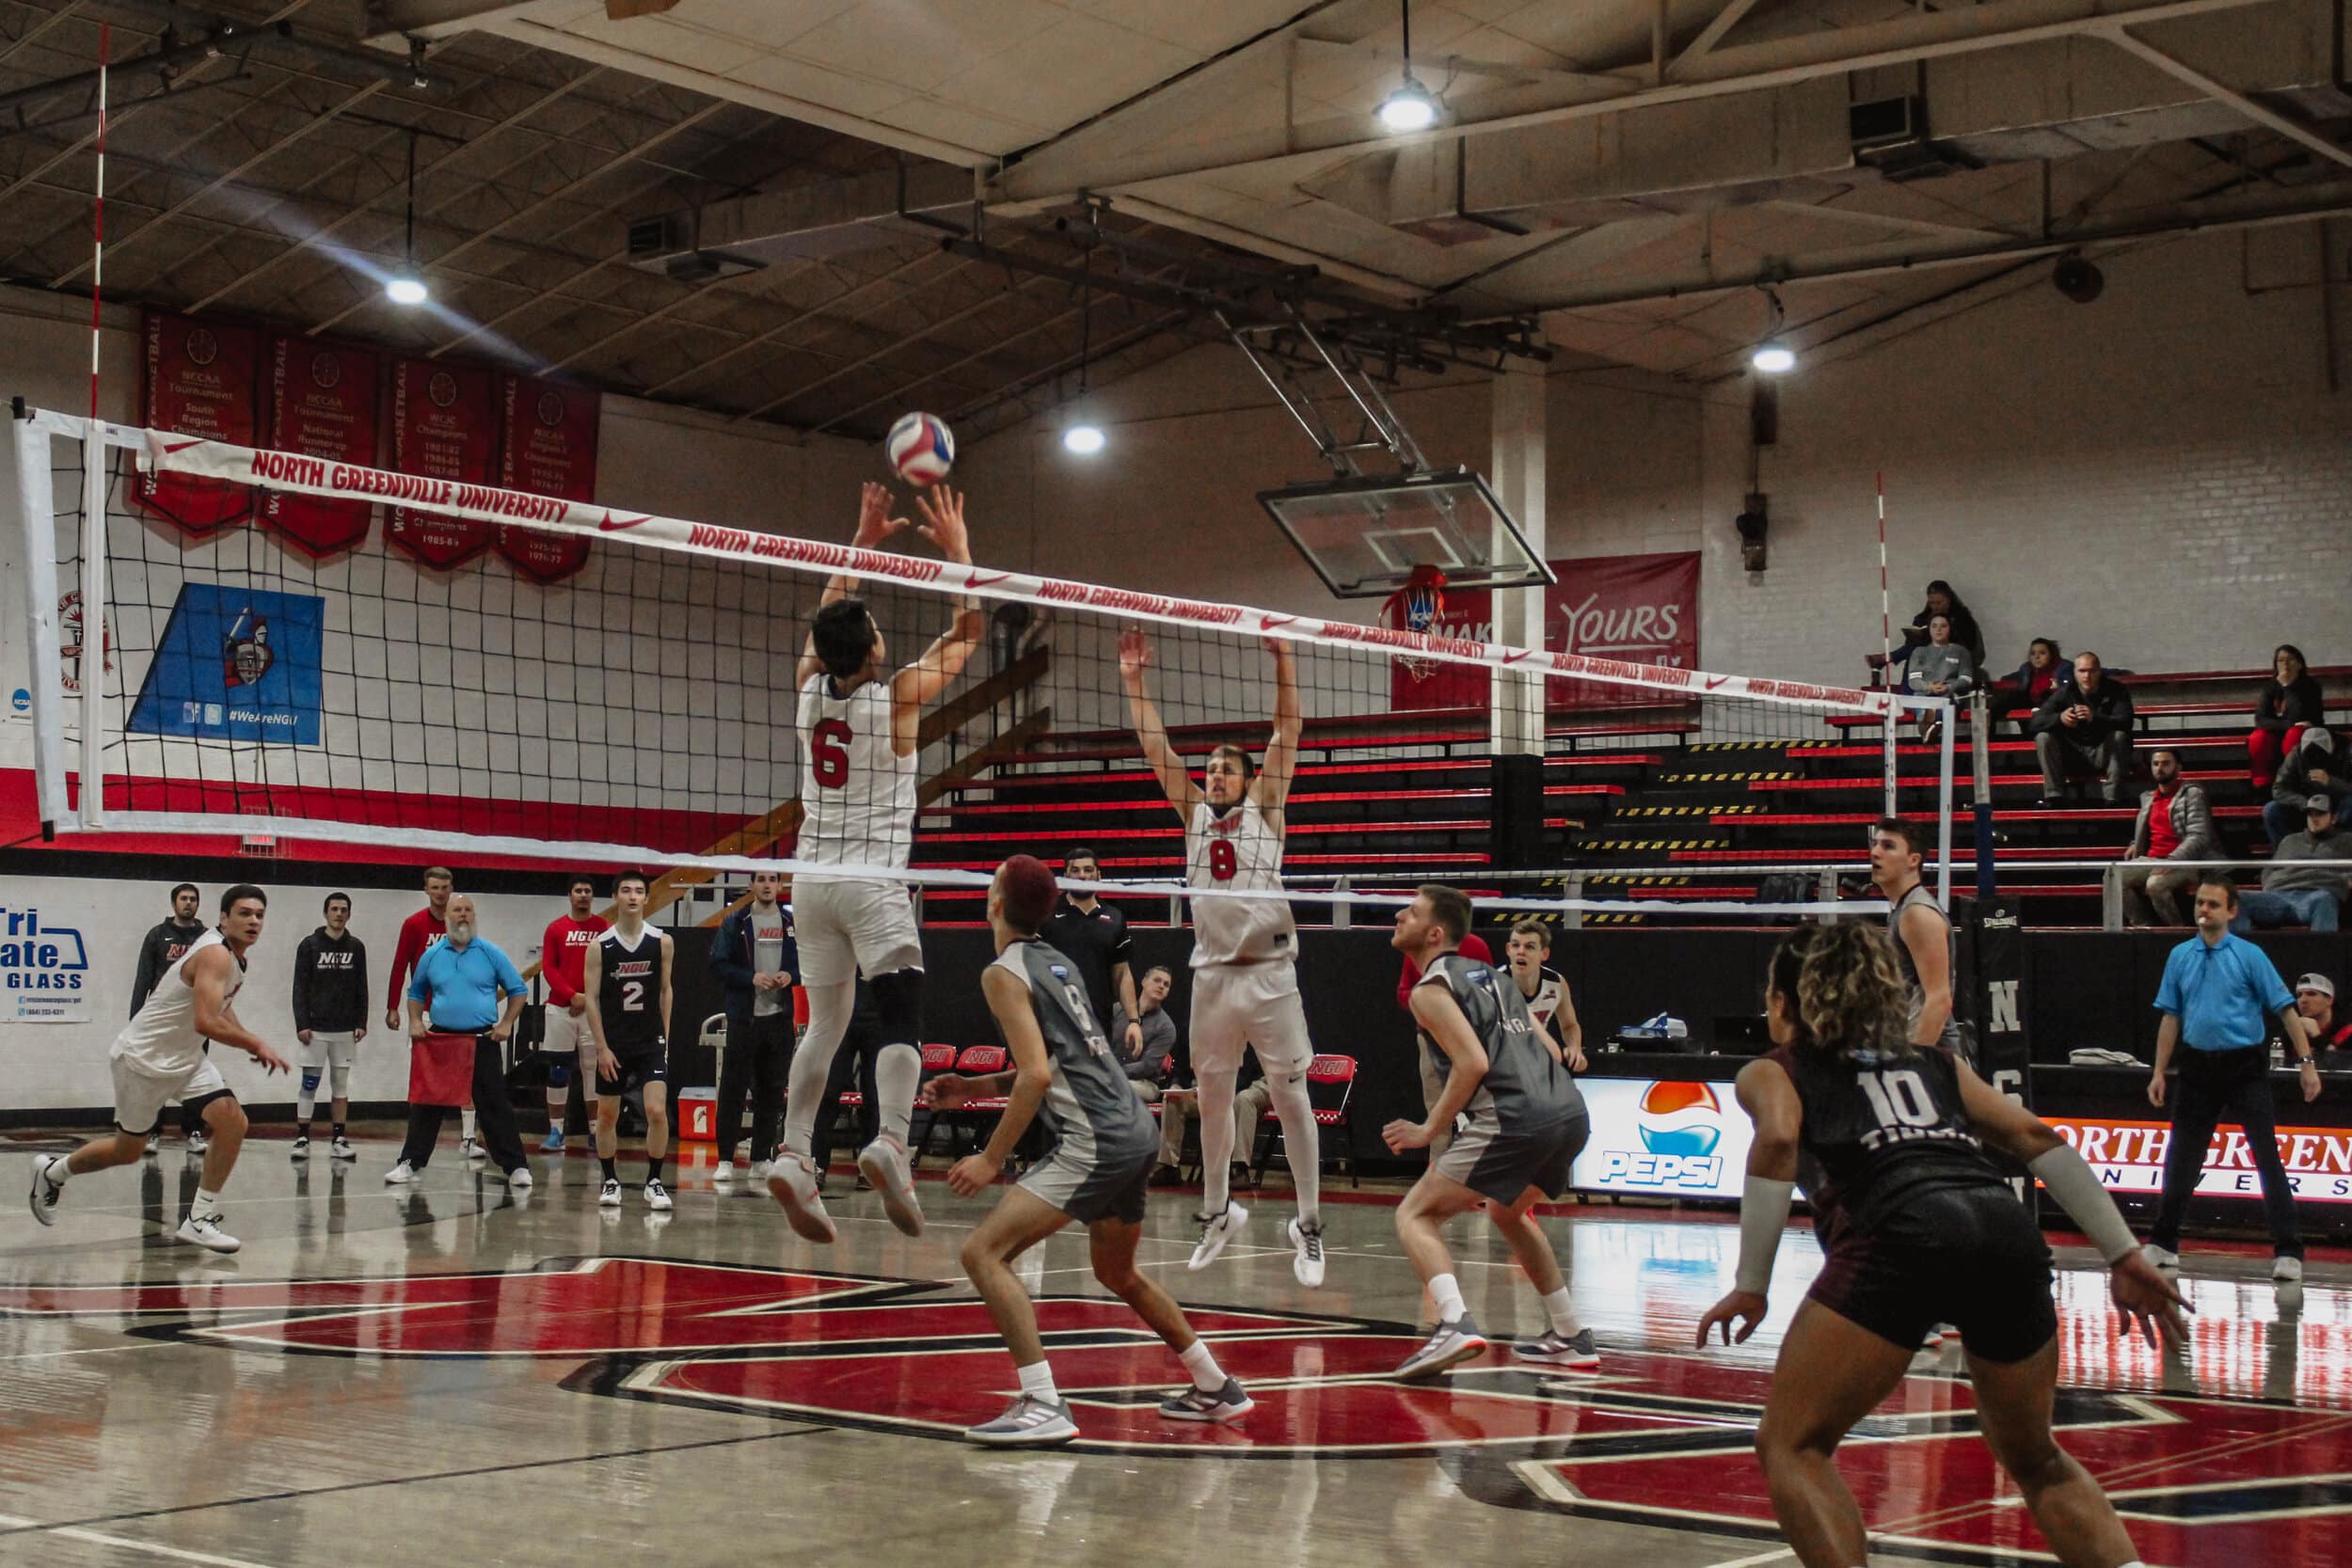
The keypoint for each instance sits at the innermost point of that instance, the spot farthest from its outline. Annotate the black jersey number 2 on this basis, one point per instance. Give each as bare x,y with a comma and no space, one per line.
828,749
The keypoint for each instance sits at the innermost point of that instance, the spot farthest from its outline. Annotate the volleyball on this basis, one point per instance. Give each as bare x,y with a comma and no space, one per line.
922,450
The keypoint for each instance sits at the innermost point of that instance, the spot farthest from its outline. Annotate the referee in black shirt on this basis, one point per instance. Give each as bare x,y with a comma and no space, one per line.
1093,936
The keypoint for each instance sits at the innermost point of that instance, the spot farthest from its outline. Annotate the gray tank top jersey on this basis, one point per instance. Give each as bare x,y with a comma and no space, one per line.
1919,896
1090,1109
1523,1086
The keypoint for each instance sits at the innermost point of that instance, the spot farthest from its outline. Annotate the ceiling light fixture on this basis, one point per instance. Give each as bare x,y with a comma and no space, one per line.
1084,439
1773,355
1411,107
407,286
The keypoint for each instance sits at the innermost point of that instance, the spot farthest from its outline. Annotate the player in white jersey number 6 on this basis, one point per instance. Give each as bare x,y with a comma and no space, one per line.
858,749
1245,974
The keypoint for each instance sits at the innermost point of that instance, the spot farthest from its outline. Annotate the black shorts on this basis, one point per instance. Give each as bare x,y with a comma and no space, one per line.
640,1064
1972,1257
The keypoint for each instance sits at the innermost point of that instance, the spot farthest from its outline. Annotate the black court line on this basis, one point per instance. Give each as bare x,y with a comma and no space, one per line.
296,1494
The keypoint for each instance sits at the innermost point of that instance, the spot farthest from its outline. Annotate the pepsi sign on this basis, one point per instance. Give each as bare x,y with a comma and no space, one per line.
1664,1137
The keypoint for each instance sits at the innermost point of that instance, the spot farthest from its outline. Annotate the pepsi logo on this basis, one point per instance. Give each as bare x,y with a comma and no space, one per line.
1684,1119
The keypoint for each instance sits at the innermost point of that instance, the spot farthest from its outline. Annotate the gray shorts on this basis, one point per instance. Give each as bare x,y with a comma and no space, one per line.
1500,1162
1107,1184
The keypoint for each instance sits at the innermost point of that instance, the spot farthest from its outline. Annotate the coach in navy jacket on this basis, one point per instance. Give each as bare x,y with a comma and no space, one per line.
758,988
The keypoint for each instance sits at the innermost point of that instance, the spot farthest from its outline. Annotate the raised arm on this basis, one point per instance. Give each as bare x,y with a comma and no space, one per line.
1272,785
1134,657
921,682
875,528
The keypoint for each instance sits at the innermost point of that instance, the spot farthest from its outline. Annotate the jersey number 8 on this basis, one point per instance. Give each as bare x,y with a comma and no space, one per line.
825,750
1223,860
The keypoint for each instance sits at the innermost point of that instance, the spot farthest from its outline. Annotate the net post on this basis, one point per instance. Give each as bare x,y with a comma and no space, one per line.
1825,888
1948,729
1571,917
2111,898
1889,763
44,663
93,590
1980,722
1516,698
1341,909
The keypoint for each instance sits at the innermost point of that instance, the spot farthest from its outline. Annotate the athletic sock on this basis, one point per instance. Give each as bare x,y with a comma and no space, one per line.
1207,1375
302,1129
1037,1383
338,1130
207,1204
898,1072
610,1174
652,1171
465,1123
1565,1323
60,1170
1447,1292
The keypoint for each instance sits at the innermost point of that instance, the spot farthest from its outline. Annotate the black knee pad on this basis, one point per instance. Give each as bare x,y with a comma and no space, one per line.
898,1006
192,1111
559,1072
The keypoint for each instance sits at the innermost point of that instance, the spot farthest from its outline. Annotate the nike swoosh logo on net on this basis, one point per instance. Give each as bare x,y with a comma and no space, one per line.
611,525
1268,623
988,580
1714,681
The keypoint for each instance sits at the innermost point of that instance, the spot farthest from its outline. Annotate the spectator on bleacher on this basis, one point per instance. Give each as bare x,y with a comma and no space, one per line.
1148,1063
2315,999
2293,893
1942,601
2311,769
2044,667
2175,824
1940,667
2287,705
2084,723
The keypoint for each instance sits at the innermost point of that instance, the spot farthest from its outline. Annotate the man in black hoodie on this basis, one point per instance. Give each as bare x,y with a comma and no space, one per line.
330,1014
162,947
2084,724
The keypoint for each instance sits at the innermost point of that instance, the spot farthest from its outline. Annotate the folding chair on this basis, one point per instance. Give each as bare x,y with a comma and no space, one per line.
1330,1083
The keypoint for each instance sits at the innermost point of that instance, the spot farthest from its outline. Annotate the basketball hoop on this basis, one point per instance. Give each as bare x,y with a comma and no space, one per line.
1416,607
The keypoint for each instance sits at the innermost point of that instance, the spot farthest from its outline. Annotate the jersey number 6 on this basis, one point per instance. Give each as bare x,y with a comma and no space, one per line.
825,748
1223,862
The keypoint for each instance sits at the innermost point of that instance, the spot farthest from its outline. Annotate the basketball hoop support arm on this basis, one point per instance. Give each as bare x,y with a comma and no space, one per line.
1381,429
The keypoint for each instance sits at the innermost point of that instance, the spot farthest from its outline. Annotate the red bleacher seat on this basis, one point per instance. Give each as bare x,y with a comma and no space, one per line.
1330,1083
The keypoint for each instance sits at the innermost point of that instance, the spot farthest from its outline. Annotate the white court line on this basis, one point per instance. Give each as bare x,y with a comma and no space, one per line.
106,1350
98,1537
1751,1562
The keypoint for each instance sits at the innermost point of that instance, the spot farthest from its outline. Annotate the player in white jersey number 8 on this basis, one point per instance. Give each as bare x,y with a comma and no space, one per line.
1245,987
859,740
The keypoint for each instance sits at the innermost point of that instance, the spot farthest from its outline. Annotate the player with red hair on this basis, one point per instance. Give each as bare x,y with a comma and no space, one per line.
1065,1074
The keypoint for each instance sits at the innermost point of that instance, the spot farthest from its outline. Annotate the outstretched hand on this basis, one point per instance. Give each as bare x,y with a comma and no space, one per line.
1135,653
2150,1304
1739,1313
943,524
875,525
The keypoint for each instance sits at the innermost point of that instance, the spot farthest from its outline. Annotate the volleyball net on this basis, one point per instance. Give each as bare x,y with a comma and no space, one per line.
488,676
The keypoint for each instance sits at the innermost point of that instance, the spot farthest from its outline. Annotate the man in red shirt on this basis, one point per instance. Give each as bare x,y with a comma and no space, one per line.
418,932
564,1036
1474,946
2175,824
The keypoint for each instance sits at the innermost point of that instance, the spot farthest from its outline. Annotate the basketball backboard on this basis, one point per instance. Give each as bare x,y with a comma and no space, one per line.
1364,536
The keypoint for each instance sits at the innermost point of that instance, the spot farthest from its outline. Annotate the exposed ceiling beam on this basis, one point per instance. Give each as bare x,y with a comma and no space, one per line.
986,303
1063,171
390,19
768,335
2221,92
1733,13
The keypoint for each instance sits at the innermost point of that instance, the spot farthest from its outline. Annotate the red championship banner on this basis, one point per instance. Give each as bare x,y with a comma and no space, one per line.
550,448
199,380
324,402
1635,608
445,428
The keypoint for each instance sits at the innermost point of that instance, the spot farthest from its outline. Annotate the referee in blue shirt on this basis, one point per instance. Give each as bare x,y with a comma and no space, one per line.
2215,990
460,979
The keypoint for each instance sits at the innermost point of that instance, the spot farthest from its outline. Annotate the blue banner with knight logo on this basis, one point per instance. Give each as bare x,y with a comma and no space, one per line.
236,664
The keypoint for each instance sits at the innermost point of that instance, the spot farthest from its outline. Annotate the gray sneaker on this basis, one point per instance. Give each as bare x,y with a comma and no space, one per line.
45,1192
1447,1345
1229,1403
1026,1423
1554,1349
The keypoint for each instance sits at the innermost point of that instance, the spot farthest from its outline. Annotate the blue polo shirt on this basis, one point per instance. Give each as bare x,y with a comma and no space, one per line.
460,986
2223,993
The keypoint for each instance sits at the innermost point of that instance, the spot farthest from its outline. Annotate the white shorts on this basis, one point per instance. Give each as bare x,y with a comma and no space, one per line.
562,1035
846,928
140,1096
1248,1005
328,1048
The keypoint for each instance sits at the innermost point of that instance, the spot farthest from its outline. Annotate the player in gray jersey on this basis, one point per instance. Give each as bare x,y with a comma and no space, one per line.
1921,931
1067,1076
1524,1123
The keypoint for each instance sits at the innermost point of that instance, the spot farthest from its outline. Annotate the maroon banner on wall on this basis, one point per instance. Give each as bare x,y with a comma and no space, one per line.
548,448
444,426
199,379
325,402
1642,609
